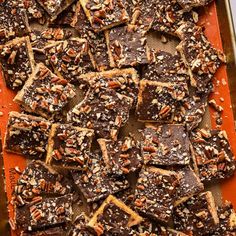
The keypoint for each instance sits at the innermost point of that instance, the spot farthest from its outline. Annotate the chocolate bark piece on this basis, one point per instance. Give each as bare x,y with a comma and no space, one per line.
127,46
39,39
164,15
54,7
44,93
104,15
190,185
13,21
213,157
79,226
70,58
113,218
46,212
104,110
197,216
192,109
201,58
157,101
94,183
17,62
169,16
68,146
155,193
124,81
34,11
166,68
27,135
166,145
189,4
97,42
39,179
123,156
55,231
227,217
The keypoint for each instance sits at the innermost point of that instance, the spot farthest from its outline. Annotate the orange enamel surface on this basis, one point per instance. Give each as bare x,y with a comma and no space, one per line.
210,21
10,160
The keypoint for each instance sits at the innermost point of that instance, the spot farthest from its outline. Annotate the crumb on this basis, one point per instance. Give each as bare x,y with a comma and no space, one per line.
223,81
164,39
217,107
17,169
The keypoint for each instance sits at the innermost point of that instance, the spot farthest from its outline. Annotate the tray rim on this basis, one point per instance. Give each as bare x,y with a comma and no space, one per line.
229,47
228,38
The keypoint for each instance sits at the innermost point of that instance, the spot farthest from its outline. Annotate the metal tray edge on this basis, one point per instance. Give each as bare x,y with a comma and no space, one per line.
228,36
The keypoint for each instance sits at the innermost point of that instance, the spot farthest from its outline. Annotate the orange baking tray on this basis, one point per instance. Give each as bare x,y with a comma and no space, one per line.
213,31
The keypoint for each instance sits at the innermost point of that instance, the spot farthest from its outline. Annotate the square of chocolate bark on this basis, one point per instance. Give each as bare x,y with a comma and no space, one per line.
187,5
97,42
70,58
163,16
45,93
127,46
201,58
157,101
103,14
227,217
69,146
123,156
190,184
197,216
113,217
166,68
103,110
45,212
54,7
27,135
169,15
17,62
166,145
123,81
192,109
155,193
94,183
13,21
212,154
39,179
